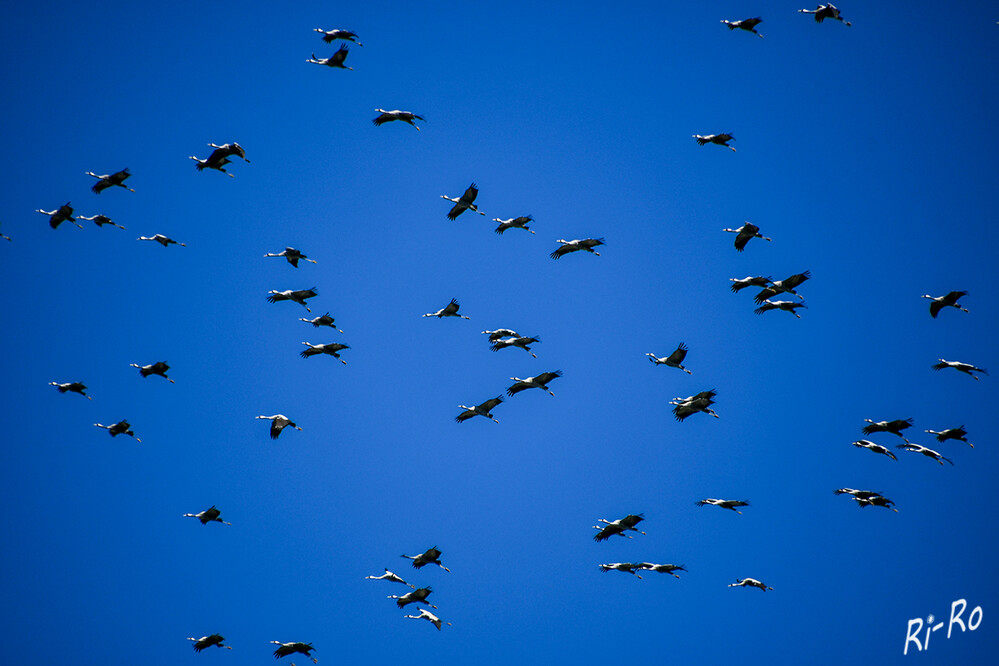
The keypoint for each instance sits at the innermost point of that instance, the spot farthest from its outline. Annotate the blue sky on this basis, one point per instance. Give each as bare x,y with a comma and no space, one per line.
866,153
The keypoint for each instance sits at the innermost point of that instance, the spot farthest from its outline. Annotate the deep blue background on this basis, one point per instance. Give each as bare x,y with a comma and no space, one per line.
868,153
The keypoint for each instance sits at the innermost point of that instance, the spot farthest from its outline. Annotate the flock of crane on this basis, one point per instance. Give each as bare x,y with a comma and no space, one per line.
503,338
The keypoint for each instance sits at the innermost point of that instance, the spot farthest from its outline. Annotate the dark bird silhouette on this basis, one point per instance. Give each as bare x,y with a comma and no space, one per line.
748,25
72,387
514,223
619,526
463,203
674,360
417,596
208,641
662,568
576,245
330,35
209,515
292,255
63,213
823,12
335,60
966,368
539,381
284,649
159,368
404,116
626,567
330,348
430,556
894,427
300,296
449,310
785,286
947,300
725,504
500,333
278,423
325,320
122,427
701,402
717,139
745,233
958,433
110,180
483,409
521,341
759,281
786,306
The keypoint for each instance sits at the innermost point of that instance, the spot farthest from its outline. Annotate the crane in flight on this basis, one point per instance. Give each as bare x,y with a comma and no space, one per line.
335,60
576,245
876,448
674,360
208,641
63,213
449,310
278,423
330,348
325,320
717,139
110,180
966,368
662,568
626,567
895,427
161,239
759,281
947,300
514,223
99,220
748,25
929,453
465,202
746,233
330,35
389,576
483,409
723,503
299,296
619,526
284,649
749,582
958,433
159,368
430,556
823,12
395,114
122,427
417,596
72,387
292,255
520,341
427,615
209,515
786,306
540,381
